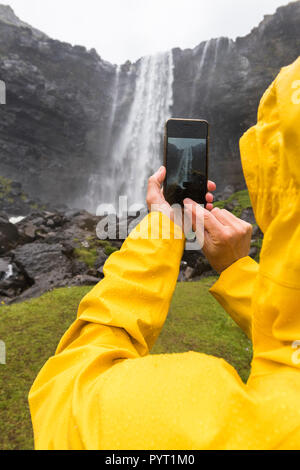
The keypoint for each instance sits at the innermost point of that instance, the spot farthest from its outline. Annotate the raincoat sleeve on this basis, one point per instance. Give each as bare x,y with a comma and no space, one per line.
120,318
234,291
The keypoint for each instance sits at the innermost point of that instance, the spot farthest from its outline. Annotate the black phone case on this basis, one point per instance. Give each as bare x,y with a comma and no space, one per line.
166,146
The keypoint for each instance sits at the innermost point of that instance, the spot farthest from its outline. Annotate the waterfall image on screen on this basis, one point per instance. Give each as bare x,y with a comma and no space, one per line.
186,169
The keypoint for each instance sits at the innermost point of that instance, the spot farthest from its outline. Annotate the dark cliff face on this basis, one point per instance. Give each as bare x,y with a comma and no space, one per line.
56,126
233,78
57,104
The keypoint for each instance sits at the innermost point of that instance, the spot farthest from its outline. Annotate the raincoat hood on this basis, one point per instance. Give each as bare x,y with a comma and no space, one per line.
270,150
270,153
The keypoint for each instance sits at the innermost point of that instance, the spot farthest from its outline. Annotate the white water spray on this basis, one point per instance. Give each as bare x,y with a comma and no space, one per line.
137,151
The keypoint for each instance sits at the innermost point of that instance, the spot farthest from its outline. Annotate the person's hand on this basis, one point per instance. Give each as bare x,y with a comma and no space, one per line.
156,199
226,238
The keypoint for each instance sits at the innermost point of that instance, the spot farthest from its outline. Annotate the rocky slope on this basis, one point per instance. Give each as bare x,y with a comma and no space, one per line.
47,250
54,128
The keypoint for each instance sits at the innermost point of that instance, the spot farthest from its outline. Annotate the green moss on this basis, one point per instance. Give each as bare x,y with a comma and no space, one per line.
87,255
103,243
220,204
31,331
91,239
5,184
109,250
240,200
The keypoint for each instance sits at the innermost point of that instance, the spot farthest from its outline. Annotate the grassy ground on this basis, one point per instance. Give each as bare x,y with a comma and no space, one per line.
31,332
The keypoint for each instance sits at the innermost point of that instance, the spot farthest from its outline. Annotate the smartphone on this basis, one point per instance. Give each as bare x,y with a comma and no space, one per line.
186,160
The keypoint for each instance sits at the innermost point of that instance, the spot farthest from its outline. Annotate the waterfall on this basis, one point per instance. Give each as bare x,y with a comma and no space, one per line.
217,42
206,71
113,107
185,169
200,73
137,151
96,183
203,57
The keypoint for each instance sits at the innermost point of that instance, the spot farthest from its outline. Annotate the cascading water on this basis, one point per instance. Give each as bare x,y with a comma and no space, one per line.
137,151
113,108
205,71
200,72
185,168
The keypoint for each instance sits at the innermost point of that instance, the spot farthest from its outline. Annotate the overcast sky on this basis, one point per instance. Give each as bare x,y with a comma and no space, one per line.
128,29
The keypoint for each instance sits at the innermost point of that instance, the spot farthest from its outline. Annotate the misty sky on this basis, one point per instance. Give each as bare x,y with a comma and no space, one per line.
128,29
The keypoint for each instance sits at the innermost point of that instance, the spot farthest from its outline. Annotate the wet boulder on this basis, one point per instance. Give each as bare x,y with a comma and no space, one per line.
39,259
9,236
13,279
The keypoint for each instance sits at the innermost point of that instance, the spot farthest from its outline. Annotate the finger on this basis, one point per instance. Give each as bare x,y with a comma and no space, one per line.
211,186
209,207
225,217
209,198
211,224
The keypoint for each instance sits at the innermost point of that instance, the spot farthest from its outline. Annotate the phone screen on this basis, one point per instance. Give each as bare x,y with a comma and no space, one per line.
186,162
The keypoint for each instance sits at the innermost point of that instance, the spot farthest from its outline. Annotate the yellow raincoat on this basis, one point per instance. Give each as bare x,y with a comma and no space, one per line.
102,389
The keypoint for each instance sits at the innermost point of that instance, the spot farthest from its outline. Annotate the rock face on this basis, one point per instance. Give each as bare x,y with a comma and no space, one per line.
231,77
57,105
60,116
15,202
7,16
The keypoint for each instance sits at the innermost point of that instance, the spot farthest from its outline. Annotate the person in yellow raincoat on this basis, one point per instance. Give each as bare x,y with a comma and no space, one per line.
103,390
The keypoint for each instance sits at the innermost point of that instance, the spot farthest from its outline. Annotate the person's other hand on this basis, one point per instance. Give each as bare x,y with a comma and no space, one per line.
155,196
226,238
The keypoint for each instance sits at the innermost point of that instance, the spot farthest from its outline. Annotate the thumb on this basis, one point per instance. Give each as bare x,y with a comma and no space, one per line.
154,195
156,180
160,175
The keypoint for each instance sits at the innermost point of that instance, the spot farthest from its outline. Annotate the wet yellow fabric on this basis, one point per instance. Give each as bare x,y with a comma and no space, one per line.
103,390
